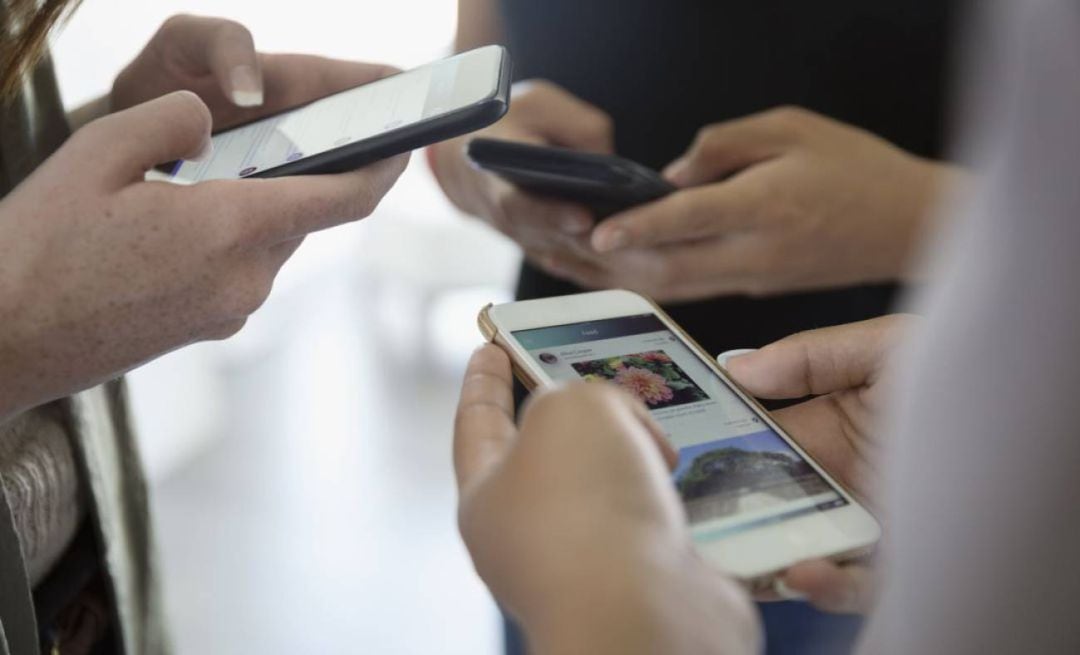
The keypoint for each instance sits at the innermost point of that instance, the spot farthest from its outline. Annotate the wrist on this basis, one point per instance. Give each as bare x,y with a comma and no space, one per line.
937,184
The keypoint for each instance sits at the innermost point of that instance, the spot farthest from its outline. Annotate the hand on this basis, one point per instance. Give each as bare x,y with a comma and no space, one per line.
780,201
844,368
541,113
101,271
575,526
216,59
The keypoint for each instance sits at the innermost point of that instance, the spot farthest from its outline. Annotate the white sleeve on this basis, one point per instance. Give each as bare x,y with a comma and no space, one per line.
984,474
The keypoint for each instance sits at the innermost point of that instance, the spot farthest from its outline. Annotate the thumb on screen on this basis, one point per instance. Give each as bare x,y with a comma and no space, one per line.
132,141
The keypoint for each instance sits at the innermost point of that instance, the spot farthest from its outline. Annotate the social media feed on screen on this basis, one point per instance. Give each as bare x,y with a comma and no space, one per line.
735,472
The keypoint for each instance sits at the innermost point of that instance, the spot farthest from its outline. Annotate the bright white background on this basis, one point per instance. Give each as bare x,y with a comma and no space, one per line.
301,471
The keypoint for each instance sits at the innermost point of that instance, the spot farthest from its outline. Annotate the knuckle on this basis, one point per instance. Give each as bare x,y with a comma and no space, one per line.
194,115
247,296
175,23
225,330
789,117
598,122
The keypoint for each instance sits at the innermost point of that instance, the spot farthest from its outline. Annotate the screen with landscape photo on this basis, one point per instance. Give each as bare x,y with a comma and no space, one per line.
750,473
734,472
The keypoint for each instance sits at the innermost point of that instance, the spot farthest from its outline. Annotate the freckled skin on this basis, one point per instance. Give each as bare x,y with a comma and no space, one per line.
101,271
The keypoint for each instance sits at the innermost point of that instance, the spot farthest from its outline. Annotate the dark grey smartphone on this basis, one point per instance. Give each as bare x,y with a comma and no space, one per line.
356,127
605,183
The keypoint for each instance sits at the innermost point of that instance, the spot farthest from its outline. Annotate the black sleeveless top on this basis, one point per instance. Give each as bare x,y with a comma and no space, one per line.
665,68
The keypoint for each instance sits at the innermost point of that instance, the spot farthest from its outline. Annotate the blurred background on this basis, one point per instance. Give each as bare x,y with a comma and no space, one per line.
301,471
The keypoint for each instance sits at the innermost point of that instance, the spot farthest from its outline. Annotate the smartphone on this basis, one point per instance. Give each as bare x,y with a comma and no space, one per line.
757,503
358,126
606,184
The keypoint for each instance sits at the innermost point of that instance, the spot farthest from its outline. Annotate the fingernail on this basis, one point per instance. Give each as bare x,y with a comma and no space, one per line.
786,592
247,88
206,151
723,358
614,238
677,171
574,223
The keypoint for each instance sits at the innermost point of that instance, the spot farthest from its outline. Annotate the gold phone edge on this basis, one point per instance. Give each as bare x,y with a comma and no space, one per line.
759,583
491,333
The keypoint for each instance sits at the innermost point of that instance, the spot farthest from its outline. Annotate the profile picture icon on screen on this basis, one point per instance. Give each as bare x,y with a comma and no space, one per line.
548,358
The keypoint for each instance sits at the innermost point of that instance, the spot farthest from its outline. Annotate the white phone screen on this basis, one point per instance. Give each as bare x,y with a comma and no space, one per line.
735,472
419,94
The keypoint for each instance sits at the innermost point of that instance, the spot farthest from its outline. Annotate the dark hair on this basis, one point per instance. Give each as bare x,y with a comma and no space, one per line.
24,32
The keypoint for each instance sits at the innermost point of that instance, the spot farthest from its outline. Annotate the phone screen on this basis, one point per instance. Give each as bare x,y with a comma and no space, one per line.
735,472
359,113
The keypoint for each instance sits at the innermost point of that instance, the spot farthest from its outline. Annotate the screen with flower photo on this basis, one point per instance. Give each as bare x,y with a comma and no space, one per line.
734,471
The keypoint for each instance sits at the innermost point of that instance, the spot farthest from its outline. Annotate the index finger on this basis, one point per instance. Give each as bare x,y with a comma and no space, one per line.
686,215
484,424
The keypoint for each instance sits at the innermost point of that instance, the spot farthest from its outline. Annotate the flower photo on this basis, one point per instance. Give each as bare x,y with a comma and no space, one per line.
651,376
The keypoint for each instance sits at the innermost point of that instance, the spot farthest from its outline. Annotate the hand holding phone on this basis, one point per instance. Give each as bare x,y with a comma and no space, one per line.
571,520
541,113
606,184
757,502
361,125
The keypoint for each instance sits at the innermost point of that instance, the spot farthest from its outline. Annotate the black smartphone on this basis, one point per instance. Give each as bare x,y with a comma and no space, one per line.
605,183
358,126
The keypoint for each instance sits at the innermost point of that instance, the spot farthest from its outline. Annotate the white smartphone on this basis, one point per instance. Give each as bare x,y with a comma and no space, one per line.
756,502
358,126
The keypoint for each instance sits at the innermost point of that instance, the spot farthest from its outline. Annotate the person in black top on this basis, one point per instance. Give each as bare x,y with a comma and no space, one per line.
804,137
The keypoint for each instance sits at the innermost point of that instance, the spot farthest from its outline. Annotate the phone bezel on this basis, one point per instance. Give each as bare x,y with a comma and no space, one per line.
755,555
606,183
351,156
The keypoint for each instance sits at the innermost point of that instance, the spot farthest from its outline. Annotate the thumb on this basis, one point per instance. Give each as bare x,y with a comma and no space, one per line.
561,118
132,141
818,362
723,149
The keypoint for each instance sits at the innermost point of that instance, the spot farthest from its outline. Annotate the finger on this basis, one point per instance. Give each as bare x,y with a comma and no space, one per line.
573,269
221,47
819,361
128,143
714,210
484,425
597,420
830,587
562,118
725,148
520,210
285,208
659,437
